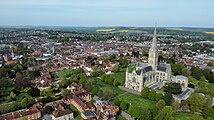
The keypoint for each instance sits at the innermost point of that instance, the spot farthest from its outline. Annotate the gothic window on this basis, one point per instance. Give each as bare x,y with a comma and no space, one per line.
134,80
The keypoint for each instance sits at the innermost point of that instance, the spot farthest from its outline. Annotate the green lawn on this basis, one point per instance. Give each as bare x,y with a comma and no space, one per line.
184,116
106,87
136,103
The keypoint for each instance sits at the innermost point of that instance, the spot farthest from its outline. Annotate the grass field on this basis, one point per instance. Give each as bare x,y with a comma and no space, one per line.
185,116
105,30
105,87
137,103
175,29
211,33
123,30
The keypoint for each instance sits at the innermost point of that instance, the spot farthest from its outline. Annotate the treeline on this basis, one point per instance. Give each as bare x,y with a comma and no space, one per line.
195,72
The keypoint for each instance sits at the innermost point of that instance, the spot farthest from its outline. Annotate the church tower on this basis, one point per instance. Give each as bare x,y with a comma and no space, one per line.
153,52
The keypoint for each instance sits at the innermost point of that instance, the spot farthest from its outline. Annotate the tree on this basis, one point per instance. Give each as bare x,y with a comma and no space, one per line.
3,72
95,91
160,104
115,83
152,95
175,106
12,95
196,72
46,92
49,109
158,96
174,88
209,64
168,98
18,76
186,72
27,102
184,105
177,69
165,113
123,105
208,112
33,91
116,69
66,92
5,82
146,115
145,92
196,102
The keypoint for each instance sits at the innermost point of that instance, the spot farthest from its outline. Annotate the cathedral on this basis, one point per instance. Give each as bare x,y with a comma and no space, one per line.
149,74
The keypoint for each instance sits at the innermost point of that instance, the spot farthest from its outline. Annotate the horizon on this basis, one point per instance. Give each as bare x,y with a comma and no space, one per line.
100,13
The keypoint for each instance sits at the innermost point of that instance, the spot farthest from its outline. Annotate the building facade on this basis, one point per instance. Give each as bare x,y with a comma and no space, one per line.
142,75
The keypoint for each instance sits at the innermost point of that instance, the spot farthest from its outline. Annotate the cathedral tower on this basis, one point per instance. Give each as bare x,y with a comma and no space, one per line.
153,52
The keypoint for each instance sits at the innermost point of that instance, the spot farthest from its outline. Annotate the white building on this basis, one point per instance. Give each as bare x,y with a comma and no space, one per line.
143,75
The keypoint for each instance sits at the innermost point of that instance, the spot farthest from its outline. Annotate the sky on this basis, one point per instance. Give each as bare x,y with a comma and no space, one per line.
93,13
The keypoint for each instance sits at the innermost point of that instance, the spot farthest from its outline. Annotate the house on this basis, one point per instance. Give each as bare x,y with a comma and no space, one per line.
28,114
63,115
88,115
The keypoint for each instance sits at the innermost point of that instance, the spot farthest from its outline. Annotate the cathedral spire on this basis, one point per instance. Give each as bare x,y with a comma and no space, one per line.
154,41
153,52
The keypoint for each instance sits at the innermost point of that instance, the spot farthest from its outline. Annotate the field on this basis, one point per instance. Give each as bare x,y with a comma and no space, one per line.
137,103
211,33
175,29
105,87
105,30
183,116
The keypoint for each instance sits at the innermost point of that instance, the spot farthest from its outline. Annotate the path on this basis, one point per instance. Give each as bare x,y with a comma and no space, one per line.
126,115
130,91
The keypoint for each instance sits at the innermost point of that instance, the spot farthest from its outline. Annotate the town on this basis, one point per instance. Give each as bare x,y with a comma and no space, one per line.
69,74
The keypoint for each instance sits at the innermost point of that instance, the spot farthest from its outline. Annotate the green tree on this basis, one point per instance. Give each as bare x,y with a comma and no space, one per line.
47,92
208,112
49,109
115,83
146,115
27,102
123,105
174,88
145,92
152,95
18,76
209,64
116,69
160,104
158,96
186,72
196,102
165,113
95,90
168,98
12,95
175,106
177,69
5,82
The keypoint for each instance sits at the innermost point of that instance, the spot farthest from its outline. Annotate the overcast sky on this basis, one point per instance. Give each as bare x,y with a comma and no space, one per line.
167,13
